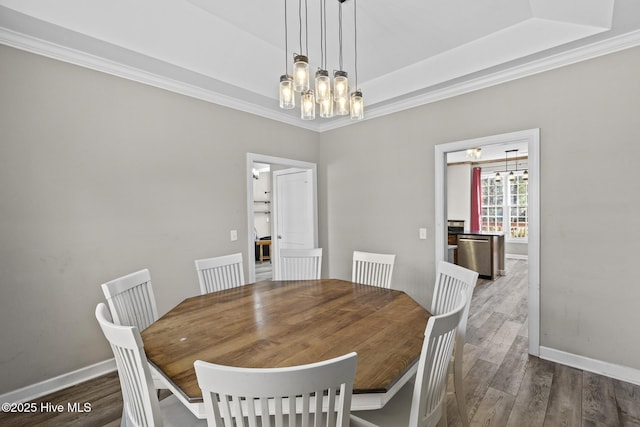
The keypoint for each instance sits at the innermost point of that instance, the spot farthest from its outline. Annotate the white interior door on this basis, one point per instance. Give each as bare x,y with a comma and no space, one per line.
294,215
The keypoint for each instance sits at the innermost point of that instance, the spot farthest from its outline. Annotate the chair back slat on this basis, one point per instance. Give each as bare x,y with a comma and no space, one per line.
220,273
372,269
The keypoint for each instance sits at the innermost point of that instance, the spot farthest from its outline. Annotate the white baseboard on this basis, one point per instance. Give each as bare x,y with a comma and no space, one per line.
516,256
607,369
60,382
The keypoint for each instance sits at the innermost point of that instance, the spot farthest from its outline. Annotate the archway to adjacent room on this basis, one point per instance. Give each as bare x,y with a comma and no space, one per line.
532,139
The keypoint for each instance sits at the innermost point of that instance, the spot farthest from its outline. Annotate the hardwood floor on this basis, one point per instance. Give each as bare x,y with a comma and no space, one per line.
103,393
504,385
507,387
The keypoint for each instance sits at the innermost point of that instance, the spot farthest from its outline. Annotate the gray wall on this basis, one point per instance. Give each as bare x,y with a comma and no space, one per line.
380,177
99,177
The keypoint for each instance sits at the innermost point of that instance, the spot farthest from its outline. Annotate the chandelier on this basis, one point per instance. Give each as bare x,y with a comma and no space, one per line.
511,176
331,100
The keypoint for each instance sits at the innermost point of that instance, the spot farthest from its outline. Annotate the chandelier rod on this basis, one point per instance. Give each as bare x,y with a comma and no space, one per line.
300,24
340,33
286,41
323,34
306,27
355,40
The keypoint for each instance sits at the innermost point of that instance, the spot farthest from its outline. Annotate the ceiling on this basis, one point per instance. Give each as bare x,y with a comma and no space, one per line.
410,52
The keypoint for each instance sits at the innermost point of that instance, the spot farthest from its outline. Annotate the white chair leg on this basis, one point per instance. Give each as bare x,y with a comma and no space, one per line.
443,419
459,390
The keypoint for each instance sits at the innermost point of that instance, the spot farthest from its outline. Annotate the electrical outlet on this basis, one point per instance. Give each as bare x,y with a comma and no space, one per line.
423,233
234,235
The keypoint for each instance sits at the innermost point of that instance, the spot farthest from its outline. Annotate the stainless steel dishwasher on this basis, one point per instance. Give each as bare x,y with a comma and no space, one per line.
475,253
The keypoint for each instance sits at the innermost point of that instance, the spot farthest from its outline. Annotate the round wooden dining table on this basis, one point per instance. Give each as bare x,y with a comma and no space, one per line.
287,323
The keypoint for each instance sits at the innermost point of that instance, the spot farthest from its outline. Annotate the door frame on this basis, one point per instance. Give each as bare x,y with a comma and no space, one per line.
287,163
532,137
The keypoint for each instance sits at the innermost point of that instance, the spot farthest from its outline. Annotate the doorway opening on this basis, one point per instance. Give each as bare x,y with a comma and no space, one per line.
268,209
531,138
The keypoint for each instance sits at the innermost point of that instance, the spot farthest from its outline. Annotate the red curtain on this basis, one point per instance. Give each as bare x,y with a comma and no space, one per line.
476,200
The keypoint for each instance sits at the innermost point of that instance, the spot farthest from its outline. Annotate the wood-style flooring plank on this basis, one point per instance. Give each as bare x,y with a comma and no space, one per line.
524,331
471,353
532,399
480,335
511,372
477,383
501,341
494,409
628,402
511,294
629,413
520,312
565,398
599,400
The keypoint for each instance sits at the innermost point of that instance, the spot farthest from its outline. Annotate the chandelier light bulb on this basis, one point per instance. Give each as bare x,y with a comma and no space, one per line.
342,107
323,86
287,94
357,105
307,106
326,107
300,73
340,85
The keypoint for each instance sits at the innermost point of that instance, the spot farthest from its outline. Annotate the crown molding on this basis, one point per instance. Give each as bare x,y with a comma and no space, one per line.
70,55
559,60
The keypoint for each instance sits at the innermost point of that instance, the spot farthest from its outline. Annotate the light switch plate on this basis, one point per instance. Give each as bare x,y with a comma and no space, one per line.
234,235
423,233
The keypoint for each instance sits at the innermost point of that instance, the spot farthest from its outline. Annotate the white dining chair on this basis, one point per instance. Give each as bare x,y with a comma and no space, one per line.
317,393
140,404
450,280
372,269
132,303
427,405
220,273
131,299
299,264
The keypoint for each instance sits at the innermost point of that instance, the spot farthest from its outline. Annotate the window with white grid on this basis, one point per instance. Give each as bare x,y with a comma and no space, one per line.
492,204
518,195
505,198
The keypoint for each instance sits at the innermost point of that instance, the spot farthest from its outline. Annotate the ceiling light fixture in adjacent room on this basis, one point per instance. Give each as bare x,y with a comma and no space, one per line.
474,153
511,176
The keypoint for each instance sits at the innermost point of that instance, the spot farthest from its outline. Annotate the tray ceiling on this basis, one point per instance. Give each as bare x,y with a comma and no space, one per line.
409,52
